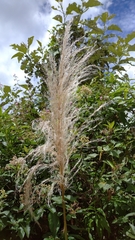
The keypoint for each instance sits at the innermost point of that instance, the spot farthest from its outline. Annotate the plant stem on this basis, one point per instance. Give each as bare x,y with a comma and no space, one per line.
64,212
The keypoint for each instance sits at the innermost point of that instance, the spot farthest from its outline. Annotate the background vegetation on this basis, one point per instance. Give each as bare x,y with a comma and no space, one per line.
100,202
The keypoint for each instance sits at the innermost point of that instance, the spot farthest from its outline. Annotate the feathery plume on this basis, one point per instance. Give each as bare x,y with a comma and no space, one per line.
62,83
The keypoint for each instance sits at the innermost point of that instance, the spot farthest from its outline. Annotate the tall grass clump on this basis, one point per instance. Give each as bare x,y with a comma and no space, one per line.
62,81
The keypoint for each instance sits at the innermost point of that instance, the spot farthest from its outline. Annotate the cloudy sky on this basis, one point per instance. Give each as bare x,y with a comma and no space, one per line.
22,19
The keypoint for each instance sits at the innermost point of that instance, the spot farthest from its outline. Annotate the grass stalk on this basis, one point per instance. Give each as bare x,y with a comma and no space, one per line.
62,84
64,212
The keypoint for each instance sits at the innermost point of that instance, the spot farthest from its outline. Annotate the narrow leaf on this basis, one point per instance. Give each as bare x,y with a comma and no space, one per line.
110,164
111,125
27,231
26,149
130,235
126,60
25,86
40,44
130,214
54,223
132,228
30,41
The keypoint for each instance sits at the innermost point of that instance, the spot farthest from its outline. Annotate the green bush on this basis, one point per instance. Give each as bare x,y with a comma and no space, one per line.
99,197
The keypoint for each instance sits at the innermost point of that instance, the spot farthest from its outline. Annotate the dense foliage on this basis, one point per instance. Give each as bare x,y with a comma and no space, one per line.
100,201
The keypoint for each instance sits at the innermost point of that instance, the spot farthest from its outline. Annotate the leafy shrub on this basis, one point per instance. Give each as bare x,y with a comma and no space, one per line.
103,150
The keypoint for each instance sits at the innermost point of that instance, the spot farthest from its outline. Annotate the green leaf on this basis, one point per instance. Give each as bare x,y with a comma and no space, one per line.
104,17
70,198
54,8
106,148
52,209
130,235
129,37
58,18
21,48
5,213
126,60
130,214
100,210
114,28
30,41
115,153
100,149
75,237
111,16
118,68
7,89
39,213
26,149
2,225
21,232
92,155
18,55
57,200
131,47
73,7
40,44
109,163
97,30
91,3
104,223
27,231
131,232
119,145
111,125
105,186
54,223
2,134
132,228
25,86
91,23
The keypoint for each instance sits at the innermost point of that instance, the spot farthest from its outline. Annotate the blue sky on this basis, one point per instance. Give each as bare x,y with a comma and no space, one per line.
22,19
125,14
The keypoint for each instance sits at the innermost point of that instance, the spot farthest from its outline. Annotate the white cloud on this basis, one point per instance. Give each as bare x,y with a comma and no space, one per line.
21,18
18,21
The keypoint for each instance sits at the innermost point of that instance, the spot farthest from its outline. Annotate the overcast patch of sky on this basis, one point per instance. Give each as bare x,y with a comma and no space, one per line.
22,19
18,21
125,14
